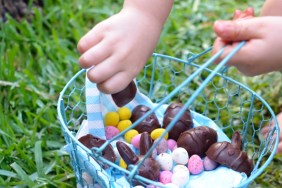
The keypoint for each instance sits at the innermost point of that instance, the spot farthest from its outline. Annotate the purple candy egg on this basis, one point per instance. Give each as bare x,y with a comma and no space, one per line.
162,146
209,164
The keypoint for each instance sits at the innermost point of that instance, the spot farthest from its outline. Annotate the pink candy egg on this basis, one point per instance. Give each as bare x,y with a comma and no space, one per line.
165,177
209,164
195,164
136,141
172,144
111,131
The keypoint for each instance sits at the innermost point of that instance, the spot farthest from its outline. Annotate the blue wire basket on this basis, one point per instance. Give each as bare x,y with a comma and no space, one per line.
210,92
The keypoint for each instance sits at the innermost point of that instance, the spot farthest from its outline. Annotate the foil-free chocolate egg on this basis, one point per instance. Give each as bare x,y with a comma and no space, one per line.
184,123
146,143
147,125
126,153
91,141
197,140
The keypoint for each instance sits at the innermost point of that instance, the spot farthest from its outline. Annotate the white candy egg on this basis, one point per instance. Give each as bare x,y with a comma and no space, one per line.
180,168
180,178
180,156
165,161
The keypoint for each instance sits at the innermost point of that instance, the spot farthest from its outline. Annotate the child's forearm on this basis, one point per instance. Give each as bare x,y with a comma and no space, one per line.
272,8
157,10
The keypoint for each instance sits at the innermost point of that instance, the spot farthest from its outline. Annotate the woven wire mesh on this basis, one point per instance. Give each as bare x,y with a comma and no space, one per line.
231,105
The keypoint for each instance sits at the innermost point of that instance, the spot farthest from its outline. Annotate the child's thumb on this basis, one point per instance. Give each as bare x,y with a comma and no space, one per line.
236,30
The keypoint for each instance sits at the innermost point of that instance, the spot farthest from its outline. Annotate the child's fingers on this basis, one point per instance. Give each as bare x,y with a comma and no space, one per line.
237,30
90,39
249,12
95,55
116,83
279,148
104,70
237,14
239,59
218,44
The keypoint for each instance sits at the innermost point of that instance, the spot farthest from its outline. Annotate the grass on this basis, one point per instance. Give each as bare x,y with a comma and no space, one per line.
40,56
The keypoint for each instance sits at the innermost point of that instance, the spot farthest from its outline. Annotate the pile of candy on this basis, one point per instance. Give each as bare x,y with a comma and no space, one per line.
183,151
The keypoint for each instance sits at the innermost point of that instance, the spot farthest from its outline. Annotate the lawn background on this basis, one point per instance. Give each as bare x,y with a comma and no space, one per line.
39,56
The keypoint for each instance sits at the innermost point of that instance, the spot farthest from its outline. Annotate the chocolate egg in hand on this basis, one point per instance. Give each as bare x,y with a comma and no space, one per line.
147,125
125,96
231,155
184,123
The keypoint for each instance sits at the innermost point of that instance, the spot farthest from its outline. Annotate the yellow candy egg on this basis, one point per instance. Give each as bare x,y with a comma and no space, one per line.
124,124
157,133
130,134
124,113
111,118
122,164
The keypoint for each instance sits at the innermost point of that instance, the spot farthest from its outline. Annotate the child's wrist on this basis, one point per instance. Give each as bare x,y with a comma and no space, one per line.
142,16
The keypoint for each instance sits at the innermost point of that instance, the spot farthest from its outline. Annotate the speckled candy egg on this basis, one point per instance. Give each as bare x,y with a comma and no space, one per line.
195,165
180,156
111,131
165,176
165,161
209,164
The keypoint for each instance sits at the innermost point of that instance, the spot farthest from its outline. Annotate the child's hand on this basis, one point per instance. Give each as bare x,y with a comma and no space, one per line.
118,48
265,130
248,13
261,52
238,15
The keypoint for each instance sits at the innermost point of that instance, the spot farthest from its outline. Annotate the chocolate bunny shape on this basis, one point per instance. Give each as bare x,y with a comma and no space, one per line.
231,154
